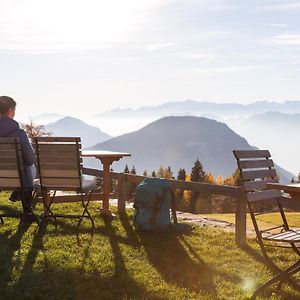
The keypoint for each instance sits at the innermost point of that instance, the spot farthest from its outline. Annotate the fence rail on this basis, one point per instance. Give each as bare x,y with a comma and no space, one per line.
209,189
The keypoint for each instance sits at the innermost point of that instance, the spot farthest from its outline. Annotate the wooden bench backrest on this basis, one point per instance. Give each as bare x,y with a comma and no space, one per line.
257,169
59,162
11,163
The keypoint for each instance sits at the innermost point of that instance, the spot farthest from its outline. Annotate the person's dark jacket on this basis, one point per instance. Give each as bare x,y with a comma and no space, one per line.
11,128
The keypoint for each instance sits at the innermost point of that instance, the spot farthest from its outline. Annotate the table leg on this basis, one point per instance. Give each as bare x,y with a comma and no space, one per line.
106,186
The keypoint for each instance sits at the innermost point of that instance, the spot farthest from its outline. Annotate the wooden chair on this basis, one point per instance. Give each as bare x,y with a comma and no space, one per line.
256,170
60,169
11,169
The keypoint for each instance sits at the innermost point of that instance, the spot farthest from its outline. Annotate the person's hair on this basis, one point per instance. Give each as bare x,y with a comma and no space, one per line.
6,103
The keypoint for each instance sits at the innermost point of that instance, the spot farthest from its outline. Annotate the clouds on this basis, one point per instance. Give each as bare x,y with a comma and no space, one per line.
284,40
148,51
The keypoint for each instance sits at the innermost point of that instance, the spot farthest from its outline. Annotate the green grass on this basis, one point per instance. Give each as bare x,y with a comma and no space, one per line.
117,262
265,221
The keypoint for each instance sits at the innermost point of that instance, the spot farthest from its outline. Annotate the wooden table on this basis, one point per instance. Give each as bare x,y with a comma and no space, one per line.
292,188
106,158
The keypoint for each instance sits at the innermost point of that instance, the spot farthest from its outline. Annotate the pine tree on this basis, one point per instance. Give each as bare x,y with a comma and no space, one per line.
126,170
153,174
181,174
197,173
133,171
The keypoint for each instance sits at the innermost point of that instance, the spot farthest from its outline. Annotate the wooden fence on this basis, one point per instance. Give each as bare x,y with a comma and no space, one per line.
209,189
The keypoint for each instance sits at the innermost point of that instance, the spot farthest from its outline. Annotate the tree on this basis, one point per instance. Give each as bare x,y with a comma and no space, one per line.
181,174
145,173
126,170
153,174
34,130
209,178
198,203
197,173
160,172
133,171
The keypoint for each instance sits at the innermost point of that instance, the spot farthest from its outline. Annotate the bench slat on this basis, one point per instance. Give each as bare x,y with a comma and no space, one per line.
9,173
56,139
263,195
58,147
251,153
60,173
9,183
257,185
261,163
250,175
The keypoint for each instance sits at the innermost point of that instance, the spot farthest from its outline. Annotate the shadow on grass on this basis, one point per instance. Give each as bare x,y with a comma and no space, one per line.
74,283
9,245
274,269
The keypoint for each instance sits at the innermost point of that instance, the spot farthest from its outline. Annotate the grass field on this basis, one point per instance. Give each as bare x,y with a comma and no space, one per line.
118,262
265,221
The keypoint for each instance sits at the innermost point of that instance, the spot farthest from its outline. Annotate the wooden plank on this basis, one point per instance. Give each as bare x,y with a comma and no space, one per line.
61,182
7,153
8,160
58,147
263,195
57,139
259,163
9,183
58,159
60,173
44,154
9,173
251,153
9,140
5,146
44,166
250,175
11,166
258,184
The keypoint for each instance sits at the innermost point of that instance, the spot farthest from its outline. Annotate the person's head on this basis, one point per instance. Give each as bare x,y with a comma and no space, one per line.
7,107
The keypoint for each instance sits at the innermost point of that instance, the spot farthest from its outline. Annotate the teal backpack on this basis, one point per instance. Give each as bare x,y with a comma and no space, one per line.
153,200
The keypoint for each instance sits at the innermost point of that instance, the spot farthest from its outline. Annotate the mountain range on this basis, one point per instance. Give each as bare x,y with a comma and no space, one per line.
69,126
177,142
200,108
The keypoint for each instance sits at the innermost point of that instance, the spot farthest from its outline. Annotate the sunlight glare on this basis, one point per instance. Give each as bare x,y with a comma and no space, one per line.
65,24
249,285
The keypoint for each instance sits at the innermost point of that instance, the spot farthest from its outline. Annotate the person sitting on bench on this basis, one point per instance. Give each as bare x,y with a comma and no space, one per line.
10,128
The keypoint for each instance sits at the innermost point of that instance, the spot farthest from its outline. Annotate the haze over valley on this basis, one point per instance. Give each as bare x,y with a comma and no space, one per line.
262,124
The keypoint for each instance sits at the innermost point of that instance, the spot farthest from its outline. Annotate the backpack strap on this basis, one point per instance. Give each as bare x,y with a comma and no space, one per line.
157,205
158,201
173,205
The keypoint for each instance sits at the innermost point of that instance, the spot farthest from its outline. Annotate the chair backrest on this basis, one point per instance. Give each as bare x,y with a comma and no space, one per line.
59,162
11,164
256,170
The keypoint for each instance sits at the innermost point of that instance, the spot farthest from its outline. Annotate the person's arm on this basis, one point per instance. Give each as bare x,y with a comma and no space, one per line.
27,151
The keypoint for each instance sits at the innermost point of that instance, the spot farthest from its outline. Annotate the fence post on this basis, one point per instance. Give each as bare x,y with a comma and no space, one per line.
240,220
122,193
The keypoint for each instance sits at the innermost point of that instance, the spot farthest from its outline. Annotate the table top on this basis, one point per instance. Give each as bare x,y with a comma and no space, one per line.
103,154
290,187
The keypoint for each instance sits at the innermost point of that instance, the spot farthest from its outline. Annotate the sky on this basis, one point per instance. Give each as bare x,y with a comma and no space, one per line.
85,57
